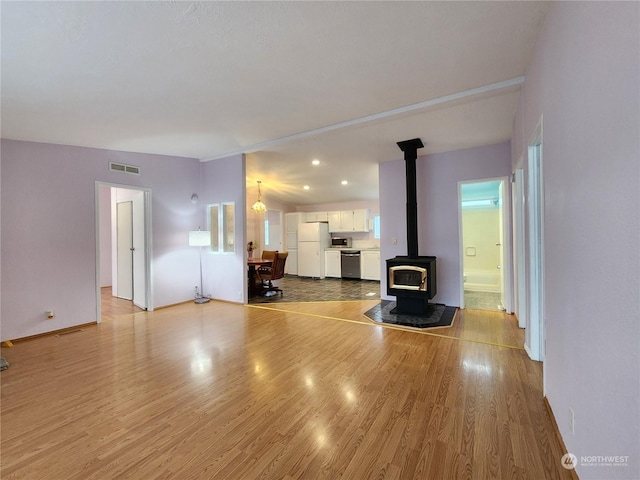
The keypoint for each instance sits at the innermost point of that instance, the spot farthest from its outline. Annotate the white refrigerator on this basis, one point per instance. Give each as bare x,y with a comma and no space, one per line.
313,239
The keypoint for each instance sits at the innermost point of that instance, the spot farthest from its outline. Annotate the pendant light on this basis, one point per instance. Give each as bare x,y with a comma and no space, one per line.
259,207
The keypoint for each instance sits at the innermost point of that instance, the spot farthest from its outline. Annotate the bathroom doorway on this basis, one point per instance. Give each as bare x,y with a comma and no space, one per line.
484,241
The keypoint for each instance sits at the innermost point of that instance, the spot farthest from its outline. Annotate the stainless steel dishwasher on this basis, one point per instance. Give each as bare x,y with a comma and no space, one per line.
350,263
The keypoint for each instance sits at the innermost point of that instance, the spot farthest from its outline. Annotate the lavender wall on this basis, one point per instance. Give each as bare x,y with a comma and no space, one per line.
224,275
584,80
49,231
437,189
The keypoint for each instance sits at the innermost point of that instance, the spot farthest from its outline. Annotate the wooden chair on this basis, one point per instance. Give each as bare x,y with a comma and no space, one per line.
267,274
269,254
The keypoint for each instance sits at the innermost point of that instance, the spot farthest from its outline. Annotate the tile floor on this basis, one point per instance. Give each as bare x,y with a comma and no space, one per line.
482,300
302,289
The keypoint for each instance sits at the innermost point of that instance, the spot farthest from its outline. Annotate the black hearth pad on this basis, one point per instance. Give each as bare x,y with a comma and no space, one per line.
439,315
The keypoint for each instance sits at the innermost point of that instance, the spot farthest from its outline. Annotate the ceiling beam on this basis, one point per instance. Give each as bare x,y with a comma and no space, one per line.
491,88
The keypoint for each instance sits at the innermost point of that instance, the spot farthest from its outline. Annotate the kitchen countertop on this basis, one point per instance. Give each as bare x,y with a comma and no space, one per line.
367,249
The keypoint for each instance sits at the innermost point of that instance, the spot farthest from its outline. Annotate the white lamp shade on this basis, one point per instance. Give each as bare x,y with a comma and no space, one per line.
198,238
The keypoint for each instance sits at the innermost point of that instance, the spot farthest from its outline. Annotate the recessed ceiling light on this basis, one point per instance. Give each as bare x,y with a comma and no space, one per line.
344,182
306,187
316,162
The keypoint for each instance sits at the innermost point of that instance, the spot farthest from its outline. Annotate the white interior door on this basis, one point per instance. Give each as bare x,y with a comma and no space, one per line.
124,236
139,260
273,230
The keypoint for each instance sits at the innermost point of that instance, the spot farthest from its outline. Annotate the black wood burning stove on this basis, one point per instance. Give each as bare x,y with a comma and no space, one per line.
412,278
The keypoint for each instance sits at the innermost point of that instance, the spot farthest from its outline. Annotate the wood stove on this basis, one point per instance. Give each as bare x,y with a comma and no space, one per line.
412,278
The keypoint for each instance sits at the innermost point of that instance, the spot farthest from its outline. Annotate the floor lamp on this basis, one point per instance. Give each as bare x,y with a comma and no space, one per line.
198,238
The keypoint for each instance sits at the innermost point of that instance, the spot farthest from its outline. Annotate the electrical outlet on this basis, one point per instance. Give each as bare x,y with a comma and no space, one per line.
572,420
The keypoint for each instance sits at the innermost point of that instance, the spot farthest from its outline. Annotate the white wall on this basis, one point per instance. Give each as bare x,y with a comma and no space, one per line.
480,228
583,79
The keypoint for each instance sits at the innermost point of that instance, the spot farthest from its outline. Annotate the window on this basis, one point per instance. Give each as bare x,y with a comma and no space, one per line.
376,226
214,227
266,232
222,227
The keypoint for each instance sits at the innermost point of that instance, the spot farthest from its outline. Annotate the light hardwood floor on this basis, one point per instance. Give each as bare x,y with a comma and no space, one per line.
113,306
301,391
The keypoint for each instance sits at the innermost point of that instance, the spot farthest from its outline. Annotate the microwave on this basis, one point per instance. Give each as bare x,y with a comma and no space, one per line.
341,242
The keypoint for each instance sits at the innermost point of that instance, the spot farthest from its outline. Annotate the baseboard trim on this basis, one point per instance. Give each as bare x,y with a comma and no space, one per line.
172,305
574,475
52,332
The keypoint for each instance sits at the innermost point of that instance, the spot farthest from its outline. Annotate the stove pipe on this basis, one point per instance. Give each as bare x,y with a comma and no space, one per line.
410,149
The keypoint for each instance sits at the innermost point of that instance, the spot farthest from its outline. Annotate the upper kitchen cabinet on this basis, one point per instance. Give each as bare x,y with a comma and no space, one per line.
349,221
315,216
292,220
335,221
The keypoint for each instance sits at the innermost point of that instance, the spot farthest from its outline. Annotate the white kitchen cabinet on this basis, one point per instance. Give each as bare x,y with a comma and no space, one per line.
315,216
370,264
335,222
332,263
361,220
346,220
292,220
349,221
291,265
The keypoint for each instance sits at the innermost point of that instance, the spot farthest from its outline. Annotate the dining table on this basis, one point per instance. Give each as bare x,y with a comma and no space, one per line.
255,285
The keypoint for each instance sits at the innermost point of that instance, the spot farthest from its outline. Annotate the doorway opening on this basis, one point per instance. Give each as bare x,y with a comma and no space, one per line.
122,247
484,242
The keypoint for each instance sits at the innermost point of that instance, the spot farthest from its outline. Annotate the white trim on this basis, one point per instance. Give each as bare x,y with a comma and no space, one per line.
460,245
507,265
519,250
526,349
492,88
535,235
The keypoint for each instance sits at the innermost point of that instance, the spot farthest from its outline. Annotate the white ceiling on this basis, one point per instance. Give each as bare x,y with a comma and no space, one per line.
284,82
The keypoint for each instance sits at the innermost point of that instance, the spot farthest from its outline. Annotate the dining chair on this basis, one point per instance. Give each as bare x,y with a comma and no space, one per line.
269,254
275,271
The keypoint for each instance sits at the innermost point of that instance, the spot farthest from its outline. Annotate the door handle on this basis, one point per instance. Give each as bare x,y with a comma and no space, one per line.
498,267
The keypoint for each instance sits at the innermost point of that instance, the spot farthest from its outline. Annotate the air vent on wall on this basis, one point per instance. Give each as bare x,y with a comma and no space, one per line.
120,167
